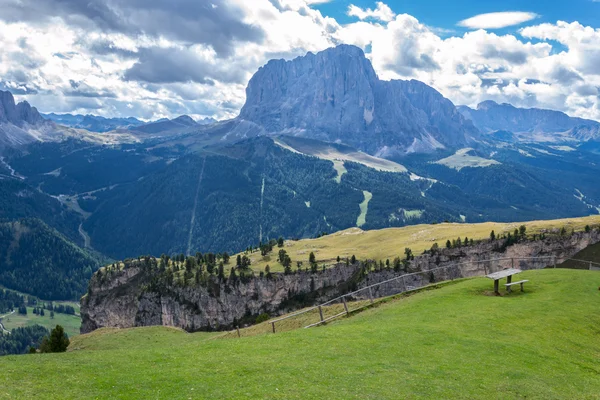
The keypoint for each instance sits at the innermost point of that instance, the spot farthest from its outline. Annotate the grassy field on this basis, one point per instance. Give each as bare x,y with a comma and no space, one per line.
453,342
71,323
390,243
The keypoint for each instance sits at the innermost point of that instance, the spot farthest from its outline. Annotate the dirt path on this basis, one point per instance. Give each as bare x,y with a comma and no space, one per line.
193,217
86,238
13,173
2,325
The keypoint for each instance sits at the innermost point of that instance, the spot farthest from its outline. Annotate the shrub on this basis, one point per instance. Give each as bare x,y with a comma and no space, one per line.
262,318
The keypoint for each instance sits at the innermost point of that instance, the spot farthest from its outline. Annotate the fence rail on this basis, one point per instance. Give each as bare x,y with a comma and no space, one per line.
365,297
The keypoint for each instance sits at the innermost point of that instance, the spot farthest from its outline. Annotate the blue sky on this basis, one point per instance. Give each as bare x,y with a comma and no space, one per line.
446,14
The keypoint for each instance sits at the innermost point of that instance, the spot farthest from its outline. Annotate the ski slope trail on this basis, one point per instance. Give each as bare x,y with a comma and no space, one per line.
193,217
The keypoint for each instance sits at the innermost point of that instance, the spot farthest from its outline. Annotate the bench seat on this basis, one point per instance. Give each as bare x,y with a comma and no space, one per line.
508,285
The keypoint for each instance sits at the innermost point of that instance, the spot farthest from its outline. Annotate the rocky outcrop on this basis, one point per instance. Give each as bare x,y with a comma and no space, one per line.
18,114
19,124
136,296
335,95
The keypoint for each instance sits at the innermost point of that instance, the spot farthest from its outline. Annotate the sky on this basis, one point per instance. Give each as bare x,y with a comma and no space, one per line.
155,58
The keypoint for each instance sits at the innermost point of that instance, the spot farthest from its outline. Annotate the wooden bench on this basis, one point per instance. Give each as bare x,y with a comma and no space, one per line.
509,285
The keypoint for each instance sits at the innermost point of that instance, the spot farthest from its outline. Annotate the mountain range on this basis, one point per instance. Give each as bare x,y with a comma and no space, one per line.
321,145
94,123
531,125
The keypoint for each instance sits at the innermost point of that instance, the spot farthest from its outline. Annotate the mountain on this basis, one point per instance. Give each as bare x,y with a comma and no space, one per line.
531,124
93,123
181,123
207,121
17,114
321,145
335,95
19,123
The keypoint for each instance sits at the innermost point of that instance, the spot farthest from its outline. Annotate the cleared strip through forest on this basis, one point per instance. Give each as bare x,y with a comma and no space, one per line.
193,218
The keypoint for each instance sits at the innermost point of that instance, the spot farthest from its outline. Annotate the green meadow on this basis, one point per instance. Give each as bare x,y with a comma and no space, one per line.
458,341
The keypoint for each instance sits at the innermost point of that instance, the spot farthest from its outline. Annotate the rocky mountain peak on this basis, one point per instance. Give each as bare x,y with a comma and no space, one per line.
17,114
335,95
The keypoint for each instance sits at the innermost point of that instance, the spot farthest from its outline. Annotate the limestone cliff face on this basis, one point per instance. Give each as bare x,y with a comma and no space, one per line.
131,297
336,95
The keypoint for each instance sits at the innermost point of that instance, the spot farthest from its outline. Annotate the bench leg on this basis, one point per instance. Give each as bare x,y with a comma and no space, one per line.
522,287
496,287
508,289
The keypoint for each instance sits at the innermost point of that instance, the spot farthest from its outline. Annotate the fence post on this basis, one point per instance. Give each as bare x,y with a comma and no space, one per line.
345,305
273,324
512,262
370,295
321,313
590,265
554,261
238,331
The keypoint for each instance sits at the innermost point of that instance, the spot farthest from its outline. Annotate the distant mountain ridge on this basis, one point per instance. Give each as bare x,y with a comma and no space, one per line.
531,123
335,95
93,123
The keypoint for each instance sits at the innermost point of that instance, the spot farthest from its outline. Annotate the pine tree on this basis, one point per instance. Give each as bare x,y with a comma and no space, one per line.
522,231
493,236
57,342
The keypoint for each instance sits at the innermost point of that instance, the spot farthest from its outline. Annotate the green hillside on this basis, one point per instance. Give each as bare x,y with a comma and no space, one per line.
389,243
454,342
38,260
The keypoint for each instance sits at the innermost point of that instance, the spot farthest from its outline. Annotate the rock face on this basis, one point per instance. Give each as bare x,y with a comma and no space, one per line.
18,121
490,116
18,114
335,95
132,297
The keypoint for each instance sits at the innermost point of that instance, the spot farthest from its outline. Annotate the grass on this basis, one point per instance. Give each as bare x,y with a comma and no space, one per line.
71,323
390,243
453,342
463,159
364,208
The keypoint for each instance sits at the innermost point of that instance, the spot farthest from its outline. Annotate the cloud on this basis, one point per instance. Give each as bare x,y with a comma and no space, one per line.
151,59
217,23
498,20
382,13
188,64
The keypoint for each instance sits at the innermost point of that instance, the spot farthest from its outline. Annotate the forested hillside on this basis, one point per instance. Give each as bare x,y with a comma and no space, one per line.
40,261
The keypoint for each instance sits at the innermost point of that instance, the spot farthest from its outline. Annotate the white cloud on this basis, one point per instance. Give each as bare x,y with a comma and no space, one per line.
382,13
498,20
64,67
